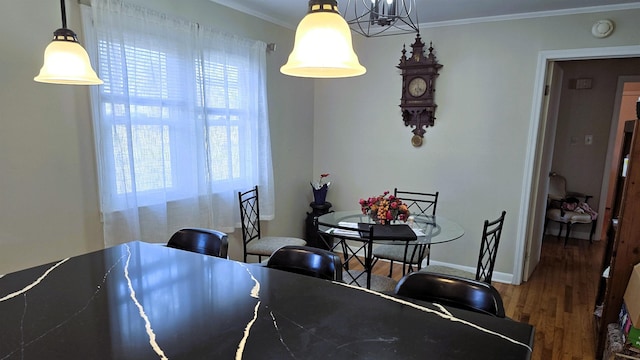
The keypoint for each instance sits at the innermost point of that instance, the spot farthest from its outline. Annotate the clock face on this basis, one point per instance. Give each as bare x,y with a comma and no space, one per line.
417,87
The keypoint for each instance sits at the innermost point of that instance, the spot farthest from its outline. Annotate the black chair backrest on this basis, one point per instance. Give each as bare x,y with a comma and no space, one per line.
203,241
452,291
489,248
418,203
249,216
306,260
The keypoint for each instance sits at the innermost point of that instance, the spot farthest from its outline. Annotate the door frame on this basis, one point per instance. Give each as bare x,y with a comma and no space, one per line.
529,222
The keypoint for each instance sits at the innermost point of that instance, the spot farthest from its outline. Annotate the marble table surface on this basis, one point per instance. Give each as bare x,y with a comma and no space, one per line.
144,301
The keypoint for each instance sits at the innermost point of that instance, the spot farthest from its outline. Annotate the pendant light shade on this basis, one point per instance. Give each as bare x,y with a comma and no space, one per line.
65,60
323,47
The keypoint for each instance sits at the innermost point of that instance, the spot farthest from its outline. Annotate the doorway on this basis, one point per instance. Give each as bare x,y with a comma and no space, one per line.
539,158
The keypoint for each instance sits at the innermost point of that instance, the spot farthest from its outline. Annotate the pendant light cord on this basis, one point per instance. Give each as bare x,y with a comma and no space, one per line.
64,14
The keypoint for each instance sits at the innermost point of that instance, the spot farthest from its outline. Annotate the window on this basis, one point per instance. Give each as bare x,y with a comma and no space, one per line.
146,156
180,122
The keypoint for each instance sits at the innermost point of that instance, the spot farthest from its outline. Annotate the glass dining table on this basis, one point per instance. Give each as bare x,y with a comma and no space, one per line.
357,245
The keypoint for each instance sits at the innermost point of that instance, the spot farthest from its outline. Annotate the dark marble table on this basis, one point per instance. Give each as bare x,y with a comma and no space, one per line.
145,301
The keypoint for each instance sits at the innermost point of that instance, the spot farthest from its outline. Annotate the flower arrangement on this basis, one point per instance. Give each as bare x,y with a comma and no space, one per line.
385,208
322,182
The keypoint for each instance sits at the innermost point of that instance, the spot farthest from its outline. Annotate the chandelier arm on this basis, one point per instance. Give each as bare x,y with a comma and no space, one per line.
415,26
380,16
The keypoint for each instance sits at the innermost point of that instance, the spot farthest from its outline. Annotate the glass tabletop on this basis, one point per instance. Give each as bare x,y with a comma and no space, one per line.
429,229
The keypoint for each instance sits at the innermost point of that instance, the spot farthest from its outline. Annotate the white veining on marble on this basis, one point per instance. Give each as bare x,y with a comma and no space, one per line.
33,284
382,340
24,314
255,293
443,309
275,325
23,345
445,315
143,315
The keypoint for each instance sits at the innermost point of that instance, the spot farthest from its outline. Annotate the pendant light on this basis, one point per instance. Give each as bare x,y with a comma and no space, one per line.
323,47
65,60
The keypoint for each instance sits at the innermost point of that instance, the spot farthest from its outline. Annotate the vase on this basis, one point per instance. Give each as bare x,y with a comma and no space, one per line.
320,195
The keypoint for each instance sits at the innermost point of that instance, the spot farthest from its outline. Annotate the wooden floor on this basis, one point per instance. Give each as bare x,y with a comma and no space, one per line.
557,300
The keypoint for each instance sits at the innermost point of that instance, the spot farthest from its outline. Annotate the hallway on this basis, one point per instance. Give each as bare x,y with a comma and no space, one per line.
559,299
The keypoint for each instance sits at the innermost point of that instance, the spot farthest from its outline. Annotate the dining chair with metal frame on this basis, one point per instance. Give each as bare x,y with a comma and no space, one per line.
253,243
491,233
356,246
410,255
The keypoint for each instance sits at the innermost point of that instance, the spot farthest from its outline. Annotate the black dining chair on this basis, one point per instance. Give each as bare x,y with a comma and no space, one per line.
203,241
409,255
491,233
307,260
253,243
454,291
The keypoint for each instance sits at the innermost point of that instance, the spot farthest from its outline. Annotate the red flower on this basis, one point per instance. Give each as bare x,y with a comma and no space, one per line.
322,182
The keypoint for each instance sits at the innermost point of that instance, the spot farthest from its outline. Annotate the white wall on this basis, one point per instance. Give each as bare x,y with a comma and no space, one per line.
476,152
48,192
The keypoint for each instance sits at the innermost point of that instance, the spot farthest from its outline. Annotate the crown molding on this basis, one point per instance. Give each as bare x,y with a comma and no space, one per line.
529,15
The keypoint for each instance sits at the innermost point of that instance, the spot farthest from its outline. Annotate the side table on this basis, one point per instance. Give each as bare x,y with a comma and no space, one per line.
311,234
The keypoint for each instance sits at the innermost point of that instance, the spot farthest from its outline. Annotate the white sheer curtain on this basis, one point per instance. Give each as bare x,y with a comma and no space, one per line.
180,123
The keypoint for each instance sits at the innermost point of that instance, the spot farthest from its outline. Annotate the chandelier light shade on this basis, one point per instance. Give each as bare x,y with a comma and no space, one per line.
382,17
323,47
65,60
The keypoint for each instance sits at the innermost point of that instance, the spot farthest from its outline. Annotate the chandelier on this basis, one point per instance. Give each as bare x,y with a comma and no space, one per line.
377,17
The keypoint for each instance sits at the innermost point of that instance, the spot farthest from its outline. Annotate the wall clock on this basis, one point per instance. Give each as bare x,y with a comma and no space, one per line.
419,73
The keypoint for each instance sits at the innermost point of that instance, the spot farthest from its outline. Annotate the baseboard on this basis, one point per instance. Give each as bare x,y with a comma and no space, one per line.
500,277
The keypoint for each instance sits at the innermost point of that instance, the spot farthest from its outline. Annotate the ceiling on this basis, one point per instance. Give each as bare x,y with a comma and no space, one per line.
431,13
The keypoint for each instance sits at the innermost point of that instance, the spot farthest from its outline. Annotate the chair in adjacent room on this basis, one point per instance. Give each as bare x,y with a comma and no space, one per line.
252,241
567,208
453,291
203,241
491,233
307,260
419,204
